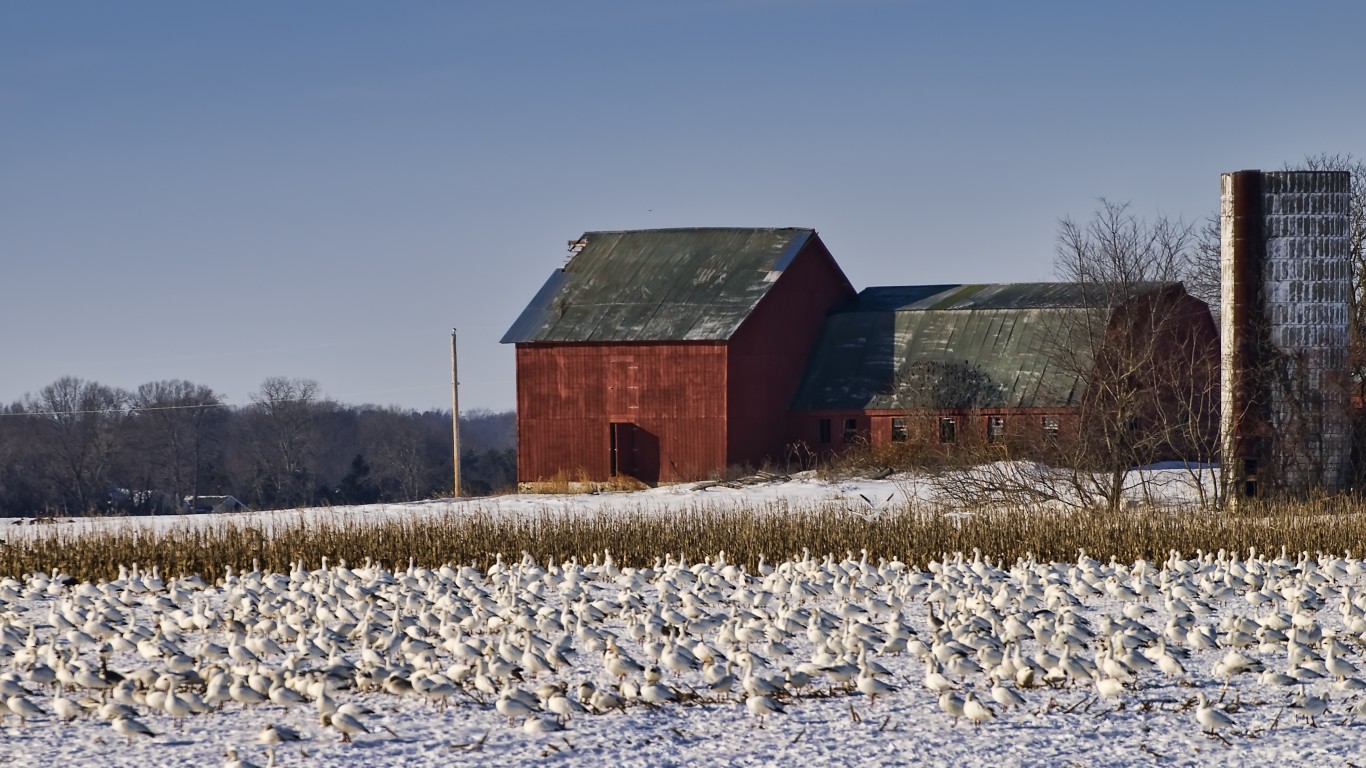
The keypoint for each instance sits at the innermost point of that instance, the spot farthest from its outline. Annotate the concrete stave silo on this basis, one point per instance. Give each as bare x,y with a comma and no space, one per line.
1286,295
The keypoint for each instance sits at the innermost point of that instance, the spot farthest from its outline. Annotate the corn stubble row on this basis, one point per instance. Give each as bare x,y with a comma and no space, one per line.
775,531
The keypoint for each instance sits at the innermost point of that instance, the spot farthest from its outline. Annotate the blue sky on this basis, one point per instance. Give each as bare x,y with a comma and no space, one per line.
227,192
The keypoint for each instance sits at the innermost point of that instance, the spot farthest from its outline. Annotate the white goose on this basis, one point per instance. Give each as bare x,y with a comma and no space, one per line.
762,706
952,704
513,706
276,733
872,687
935,679
1337,667
129,727
1309,707
1210,718
976,711
66,709
25,709
346,724
537,724
1004,696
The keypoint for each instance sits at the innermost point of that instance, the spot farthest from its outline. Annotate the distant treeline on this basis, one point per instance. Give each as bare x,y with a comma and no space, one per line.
80,447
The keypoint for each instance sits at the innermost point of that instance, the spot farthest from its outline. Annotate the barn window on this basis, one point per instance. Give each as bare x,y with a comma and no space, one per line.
1050,427
899,433
948,430
850,430
996,429
824,428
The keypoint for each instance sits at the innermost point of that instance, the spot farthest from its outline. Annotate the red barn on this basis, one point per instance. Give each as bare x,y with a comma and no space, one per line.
670,354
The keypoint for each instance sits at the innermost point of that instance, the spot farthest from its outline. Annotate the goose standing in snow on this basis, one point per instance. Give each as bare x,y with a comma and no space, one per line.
935,679
66,709
762,705
1004,696
952,704
1309,707
129,727
512,705
872,687
346,724
1210,718
1336,666
975,711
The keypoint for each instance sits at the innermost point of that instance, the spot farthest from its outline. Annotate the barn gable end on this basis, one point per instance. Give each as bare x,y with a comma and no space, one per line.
768,355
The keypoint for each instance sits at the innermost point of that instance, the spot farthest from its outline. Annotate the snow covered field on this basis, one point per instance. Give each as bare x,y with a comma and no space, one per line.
804,491
797,493
872,663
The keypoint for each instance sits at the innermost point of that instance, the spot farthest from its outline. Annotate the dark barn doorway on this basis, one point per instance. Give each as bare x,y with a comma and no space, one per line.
634,452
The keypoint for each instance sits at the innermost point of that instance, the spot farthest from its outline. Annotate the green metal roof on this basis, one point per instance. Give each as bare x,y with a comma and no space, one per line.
959,346
658,285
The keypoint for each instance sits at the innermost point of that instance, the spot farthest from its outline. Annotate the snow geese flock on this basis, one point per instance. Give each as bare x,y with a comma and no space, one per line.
1220,647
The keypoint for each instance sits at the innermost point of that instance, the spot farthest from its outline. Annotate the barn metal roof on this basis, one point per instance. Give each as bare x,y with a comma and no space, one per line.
658,285
1009,345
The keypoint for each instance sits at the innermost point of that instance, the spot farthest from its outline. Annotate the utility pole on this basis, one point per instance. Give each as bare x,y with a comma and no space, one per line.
455,414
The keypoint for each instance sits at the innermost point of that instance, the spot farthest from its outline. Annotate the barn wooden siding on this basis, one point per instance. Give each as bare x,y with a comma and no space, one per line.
768,355
568,395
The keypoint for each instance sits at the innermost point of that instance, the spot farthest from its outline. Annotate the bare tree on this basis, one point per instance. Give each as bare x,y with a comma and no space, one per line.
280,432
1204,276
931,392
401,453
1117,250
25,483
177,427
77,446
81,421
1136,411
1146,352
942,385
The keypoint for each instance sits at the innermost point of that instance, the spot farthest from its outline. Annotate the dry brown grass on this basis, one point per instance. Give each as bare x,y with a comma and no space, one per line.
640,537
563,482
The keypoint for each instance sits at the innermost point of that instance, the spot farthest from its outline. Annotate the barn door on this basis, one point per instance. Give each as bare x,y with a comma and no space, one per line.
635,452
623,445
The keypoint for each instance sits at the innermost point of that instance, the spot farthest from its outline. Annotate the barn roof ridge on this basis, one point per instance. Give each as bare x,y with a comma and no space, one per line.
696,229
968,296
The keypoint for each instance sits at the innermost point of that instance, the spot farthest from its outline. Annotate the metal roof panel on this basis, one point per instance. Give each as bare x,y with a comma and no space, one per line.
1022,345
659,285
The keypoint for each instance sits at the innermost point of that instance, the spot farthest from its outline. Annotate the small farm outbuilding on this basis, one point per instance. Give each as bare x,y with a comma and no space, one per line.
669,355
202,505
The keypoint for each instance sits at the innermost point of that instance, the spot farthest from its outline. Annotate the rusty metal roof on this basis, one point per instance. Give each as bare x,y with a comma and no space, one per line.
658,285
1009,345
